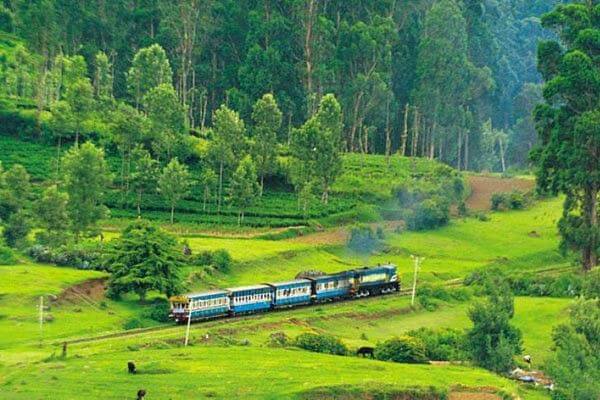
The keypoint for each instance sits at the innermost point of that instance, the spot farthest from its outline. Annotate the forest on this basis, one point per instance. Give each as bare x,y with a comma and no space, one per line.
451,80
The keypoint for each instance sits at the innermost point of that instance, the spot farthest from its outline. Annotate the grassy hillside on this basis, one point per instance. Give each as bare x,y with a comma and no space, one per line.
235,360
364,186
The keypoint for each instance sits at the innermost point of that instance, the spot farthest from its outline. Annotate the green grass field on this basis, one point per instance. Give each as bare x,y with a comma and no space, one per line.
220,367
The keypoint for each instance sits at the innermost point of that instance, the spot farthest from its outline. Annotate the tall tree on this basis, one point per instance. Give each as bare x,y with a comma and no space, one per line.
267,122
128,128
150,67
244,187
86,179
144,174
103,77
568,158
174,184
167,117
79,97
228,144
52,215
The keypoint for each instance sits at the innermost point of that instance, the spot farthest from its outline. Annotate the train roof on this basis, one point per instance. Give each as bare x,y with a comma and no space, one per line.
245,288
287,283
208,293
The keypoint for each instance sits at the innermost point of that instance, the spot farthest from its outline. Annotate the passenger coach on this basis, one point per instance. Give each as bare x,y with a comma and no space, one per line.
354,283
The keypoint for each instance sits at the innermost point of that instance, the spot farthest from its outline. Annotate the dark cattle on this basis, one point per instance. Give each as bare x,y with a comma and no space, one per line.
141,394
131,367
366,352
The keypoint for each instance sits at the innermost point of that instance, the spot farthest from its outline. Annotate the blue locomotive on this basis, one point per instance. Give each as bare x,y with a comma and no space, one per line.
355,283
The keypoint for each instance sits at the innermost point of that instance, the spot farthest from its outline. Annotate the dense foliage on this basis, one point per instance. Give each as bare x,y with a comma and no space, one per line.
575,366
380,58
405,349
321,344
493,341
143,258
568,158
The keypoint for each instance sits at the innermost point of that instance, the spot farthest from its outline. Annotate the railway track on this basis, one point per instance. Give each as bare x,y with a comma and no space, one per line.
165,328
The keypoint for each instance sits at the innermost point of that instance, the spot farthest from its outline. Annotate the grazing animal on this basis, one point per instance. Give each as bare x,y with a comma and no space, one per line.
141,394
131,367
366,352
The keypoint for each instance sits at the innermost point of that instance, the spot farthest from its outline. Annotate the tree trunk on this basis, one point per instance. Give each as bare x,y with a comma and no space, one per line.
415,138
139,204
466,150
404,132
220,188
308,53
501,145
205,198
388,133
459,150
432,142
58,148
590,211
172,213
262,184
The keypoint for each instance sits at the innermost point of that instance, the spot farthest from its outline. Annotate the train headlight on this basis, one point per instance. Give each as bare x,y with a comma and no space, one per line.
394,278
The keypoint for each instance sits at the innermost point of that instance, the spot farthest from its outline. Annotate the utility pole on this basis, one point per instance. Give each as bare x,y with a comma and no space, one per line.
187,329
418,260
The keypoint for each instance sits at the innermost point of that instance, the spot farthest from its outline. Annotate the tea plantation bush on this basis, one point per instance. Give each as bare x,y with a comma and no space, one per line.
321,344
218,259
405,349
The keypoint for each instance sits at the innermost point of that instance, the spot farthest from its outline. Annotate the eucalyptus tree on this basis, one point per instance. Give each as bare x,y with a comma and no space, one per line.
568,158
267,122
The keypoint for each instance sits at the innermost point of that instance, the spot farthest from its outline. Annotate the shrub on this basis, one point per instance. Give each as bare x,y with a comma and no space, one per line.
222,260
16,229
442,345
321,344
133,323
7,256
219,259
498,201
278,339
405,349
158,311
515,200
82,255
429,296
430,214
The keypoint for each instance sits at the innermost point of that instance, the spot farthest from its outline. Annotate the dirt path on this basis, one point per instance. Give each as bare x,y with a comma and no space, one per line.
483,187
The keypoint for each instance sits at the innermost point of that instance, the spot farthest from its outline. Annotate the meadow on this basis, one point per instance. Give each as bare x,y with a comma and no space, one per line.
233,358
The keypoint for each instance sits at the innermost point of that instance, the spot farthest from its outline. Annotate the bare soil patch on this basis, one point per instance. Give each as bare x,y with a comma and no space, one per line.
483,187
92,290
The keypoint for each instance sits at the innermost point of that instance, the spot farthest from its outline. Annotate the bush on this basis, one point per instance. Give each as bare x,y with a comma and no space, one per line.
158,311
82,255
7,256
16,229
133,323
515,200
429,296
405,349
220,260
442,345
321,344
429,214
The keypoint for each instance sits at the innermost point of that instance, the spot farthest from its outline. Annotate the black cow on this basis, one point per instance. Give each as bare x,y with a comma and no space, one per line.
131,367
366,352
141,394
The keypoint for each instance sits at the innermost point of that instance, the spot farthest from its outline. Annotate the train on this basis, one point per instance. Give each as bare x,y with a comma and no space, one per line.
306,290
